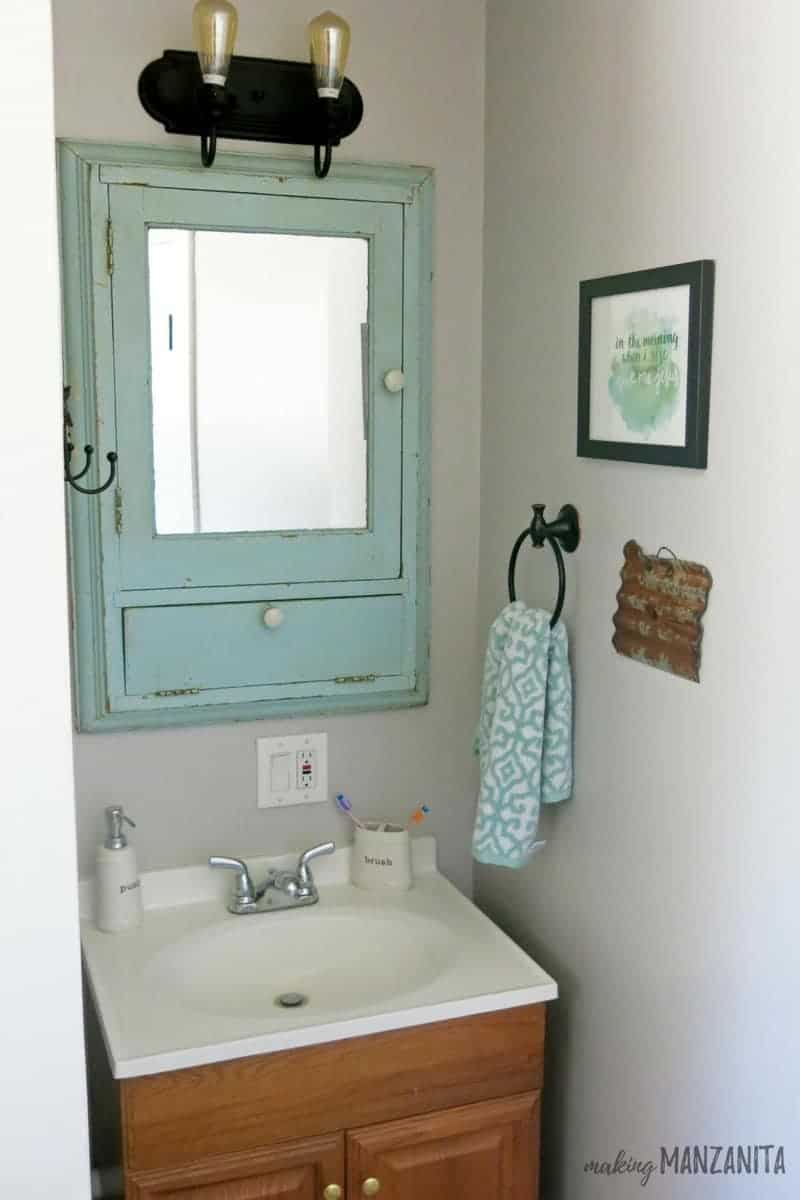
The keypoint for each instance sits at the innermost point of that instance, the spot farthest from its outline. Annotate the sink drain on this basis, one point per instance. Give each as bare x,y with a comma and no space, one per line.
291,1000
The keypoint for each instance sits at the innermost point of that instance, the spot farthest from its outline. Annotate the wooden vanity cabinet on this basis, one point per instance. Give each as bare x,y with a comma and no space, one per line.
443,1110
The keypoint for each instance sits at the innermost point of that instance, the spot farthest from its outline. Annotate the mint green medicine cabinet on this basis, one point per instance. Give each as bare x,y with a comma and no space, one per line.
254,344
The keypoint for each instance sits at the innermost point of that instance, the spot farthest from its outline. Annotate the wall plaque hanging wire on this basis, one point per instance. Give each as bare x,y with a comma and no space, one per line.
660,608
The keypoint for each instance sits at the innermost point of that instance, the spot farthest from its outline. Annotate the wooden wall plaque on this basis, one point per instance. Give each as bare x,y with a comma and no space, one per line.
660,608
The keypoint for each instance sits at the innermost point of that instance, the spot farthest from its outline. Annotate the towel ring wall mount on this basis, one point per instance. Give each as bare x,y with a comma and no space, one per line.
563,533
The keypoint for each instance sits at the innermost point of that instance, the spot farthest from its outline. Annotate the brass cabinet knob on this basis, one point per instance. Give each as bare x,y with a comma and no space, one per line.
332,1192
371,1186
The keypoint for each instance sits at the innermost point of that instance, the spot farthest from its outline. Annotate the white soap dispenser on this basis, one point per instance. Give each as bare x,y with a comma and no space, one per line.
118,892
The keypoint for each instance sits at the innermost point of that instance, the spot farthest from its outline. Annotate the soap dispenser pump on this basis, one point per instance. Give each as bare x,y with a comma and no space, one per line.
118,891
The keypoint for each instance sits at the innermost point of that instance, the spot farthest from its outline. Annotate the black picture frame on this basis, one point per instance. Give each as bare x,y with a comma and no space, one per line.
694,452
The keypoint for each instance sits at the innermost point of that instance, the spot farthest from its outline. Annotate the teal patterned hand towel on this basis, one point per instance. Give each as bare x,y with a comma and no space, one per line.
525,733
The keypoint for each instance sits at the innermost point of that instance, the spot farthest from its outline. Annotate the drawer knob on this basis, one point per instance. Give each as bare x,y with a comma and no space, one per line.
332,1192
371,1186
273,618
394,381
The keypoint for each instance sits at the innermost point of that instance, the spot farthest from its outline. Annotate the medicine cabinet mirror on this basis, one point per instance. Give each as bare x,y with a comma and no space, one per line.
254,344
258,353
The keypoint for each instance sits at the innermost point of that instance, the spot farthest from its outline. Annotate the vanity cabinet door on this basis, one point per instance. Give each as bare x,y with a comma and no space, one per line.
299,1170
486,1151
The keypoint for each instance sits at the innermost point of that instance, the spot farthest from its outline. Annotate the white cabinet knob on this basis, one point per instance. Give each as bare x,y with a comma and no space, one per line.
394,380
273,618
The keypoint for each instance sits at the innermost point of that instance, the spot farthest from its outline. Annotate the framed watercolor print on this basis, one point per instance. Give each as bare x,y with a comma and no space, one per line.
644,365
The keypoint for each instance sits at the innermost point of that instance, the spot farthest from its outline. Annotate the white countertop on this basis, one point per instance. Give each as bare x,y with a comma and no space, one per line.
155,1018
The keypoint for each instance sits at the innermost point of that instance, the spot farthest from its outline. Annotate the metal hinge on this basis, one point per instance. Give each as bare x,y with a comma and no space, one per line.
355,679
179,692
109,247
118,510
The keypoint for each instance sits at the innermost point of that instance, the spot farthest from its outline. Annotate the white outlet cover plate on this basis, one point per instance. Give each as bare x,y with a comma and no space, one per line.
293,745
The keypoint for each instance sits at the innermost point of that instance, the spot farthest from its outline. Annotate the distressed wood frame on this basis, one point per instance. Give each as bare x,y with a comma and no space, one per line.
86,170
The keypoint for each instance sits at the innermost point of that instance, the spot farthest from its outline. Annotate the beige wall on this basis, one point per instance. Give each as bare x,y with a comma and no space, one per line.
194,791
621,136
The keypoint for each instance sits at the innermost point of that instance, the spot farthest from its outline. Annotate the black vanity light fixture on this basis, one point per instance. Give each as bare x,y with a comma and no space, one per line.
214,93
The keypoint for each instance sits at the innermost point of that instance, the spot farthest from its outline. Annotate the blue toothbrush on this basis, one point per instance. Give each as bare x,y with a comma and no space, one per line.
344,806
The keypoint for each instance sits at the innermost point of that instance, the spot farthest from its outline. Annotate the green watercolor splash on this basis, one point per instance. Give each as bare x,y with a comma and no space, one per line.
645,377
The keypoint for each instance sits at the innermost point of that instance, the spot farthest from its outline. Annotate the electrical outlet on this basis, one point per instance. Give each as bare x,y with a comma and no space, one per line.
306,770
292,770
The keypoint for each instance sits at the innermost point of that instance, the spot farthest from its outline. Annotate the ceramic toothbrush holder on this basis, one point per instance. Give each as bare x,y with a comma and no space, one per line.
381,858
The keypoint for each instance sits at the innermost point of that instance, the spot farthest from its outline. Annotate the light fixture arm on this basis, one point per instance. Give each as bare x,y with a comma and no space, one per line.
208,147
213,102
322,162
322,165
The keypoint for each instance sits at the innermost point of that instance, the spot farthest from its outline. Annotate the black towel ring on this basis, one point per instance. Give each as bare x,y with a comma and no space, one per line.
563,533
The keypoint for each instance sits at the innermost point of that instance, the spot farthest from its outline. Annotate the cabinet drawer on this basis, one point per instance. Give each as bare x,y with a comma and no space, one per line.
206,646
184,1116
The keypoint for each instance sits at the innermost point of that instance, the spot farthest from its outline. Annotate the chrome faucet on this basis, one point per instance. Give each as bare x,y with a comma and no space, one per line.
281,889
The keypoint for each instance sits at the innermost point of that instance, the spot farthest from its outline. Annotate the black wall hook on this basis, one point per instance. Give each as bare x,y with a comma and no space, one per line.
564,532
88,451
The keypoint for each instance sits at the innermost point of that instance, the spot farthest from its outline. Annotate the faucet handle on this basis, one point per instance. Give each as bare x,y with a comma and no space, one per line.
243,889
303,872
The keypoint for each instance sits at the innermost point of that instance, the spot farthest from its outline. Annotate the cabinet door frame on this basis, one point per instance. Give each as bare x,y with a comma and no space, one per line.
149,560
515,1119
324,1154
87,171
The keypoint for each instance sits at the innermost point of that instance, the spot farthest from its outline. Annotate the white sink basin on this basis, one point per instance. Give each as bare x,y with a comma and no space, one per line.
337,960
194,984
